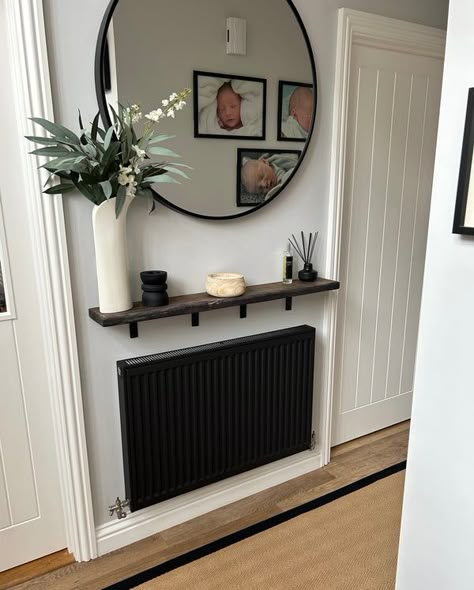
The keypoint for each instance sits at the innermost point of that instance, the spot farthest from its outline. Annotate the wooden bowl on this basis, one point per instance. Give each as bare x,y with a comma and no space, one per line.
225,284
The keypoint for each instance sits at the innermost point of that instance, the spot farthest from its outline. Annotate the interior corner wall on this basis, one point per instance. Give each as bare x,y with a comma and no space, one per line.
189,248
437,539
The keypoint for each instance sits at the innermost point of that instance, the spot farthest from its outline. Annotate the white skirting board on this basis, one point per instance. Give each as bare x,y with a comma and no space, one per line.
149,521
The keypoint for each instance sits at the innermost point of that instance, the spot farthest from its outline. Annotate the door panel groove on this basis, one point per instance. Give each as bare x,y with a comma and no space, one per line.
350,231
383,234
359,192
27,424
6,502
374,128
398,238
414,229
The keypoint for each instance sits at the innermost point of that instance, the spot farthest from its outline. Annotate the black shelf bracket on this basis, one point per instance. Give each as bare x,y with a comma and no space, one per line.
243,312
194,320
133,326
288,303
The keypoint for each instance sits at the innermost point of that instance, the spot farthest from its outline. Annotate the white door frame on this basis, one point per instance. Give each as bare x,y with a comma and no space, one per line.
32,90
355,27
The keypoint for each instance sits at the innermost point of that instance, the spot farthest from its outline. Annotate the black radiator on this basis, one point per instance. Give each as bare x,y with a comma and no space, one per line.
194,416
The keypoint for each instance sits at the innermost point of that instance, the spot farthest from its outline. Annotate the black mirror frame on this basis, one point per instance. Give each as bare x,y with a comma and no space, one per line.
466,164
99,75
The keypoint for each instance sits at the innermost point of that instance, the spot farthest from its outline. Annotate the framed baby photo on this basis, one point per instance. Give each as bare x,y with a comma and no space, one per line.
228,106
295,110
262,174
464,210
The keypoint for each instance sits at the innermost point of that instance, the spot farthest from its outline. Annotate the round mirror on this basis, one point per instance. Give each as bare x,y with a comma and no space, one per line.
251,113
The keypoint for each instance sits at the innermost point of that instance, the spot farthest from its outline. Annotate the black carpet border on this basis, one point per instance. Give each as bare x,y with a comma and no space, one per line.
250,531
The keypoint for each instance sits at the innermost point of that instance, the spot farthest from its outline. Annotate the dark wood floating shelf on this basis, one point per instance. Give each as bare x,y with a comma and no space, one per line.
198,302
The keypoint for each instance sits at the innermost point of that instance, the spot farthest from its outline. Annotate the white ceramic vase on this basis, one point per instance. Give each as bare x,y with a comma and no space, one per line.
110,239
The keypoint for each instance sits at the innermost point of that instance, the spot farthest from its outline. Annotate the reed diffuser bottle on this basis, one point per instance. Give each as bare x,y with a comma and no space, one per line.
287,266
305,252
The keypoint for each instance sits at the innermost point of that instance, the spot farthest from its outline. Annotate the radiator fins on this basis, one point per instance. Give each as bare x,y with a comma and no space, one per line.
199,415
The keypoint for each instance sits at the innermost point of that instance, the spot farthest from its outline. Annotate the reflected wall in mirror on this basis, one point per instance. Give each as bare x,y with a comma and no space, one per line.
157,47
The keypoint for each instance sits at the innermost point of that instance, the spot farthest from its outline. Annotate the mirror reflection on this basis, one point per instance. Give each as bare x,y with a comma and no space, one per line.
3,301
245,130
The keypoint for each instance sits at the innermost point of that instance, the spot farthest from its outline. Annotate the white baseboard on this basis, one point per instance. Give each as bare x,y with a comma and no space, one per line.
149,521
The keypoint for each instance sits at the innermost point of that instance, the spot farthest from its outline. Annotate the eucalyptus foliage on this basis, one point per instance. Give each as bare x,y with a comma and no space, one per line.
114,162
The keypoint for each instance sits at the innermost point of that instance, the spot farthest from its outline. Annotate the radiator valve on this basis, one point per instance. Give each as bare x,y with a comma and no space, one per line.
118,508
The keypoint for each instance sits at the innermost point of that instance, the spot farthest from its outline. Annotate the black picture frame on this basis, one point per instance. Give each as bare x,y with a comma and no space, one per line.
244,198
282,84
222,135
465,192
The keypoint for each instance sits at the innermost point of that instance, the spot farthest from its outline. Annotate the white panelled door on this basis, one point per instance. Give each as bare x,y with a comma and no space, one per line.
393,103
31,512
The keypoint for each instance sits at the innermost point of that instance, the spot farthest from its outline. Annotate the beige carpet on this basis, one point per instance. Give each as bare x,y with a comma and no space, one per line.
348,544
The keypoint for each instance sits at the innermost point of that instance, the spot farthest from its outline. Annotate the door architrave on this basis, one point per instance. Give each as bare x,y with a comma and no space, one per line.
32,91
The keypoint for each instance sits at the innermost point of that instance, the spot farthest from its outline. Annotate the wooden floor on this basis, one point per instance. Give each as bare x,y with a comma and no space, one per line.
349,462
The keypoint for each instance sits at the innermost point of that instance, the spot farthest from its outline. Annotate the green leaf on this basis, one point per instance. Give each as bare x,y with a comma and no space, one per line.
84,189
58,163
41,140
179,164
89,150
92,177
52,141
121,113
144,192
95,144
159,138
152,170
80,168
51,151
128,145
114,114
107,188
74,146
81,127
56,130
59,174
109,156
95,189
95,126
176,171
146,137
60,189
108,138
161,151
120,200
162,178
67,165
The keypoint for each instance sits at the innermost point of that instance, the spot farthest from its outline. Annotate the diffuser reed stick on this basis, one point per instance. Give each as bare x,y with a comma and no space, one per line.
305,251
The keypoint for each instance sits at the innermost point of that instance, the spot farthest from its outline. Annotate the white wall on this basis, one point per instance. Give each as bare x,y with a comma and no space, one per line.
437,541
186,247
